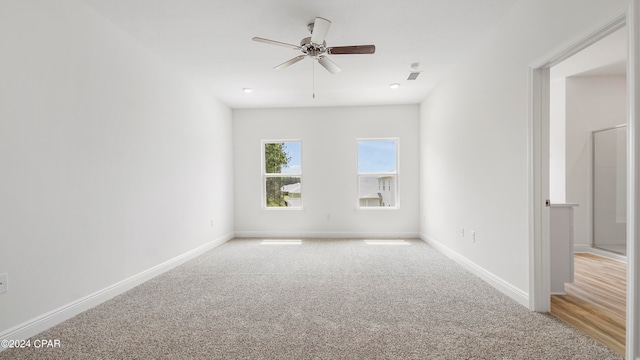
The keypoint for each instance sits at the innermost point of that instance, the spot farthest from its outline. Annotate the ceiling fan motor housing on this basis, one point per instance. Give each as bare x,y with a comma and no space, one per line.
312,49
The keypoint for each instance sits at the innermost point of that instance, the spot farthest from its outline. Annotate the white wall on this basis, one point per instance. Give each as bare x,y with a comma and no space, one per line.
329,163
592,103
474,136
112,163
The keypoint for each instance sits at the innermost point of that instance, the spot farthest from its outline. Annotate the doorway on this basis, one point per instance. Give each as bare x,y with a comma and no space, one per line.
587,167
539,167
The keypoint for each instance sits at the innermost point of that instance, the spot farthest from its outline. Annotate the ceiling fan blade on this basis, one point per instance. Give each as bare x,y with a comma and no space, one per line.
356,49
320,30
329,65
290,62
273,42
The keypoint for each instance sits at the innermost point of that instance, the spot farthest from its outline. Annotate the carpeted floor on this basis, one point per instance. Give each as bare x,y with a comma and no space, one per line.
323,299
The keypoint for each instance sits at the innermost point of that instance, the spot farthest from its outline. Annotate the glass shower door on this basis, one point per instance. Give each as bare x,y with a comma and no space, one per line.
610,189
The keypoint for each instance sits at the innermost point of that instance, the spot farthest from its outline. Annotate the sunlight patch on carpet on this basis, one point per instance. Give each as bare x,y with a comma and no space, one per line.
281,242
386,242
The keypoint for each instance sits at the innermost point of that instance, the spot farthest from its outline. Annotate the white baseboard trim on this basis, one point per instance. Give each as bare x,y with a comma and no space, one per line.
326,234
493,280
581,248
45,321
588,249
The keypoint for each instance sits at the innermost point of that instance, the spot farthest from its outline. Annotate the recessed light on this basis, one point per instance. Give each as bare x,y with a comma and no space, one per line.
247,90
394,86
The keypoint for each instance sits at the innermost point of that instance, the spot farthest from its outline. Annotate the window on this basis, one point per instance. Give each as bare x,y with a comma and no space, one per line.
378,173
282,174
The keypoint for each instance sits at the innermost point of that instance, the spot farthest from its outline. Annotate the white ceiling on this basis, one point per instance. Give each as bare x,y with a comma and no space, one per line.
211,40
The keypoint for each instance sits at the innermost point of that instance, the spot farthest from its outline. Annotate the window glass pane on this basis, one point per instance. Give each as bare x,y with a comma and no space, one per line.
377,173
282,175
377,191
283,191
376,156
282,158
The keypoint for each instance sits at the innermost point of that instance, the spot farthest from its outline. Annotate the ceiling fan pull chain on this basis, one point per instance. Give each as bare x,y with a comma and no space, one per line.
313,75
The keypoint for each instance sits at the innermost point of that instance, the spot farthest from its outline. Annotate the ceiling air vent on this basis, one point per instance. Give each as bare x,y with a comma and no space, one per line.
414,71
413,76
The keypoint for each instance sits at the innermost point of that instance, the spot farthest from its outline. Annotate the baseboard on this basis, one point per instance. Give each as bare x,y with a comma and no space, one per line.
493,280
581,248
43,322
325,234
588,249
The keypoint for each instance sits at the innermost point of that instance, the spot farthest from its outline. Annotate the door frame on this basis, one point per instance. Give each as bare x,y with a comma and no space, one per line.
538,145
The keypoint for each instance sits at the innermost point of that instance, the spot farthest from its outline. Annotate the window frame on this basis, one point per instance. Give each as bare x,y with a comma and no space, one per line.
264,176
395,174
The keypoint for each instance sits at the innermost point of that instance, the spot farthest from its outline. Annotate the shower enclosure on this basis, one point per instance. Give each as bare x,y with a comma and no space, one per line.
610,189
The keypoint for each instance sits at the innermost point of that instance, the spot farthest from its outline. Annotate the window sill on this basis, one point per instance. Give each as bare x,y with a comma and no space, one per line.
283,208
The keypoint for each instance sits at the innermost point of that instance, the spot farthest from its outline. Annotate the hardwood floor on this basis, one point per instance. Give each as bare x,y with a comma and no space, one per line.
595,302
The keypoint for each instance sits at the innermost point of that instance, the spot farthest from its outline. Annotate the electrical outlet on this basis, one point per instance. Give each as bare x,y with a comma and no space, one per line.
4,278
461,232
473,236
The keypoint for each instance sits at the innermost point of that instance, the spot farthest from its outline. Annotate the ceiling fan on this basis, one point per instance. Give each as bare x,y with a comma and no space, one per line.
316,48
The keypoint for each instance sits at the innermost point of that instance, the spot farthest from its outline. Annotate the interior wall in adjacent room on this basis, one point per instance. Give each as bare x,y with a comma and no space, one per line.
593,103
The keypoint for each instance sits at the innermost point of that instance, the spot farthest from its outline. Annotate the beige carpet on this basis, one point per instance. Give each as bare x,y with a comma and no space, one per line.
323,299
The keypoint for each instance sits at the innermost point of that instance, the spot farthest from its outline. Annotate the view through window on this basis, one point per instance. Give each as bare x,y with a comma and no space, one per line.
282,174
377,173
